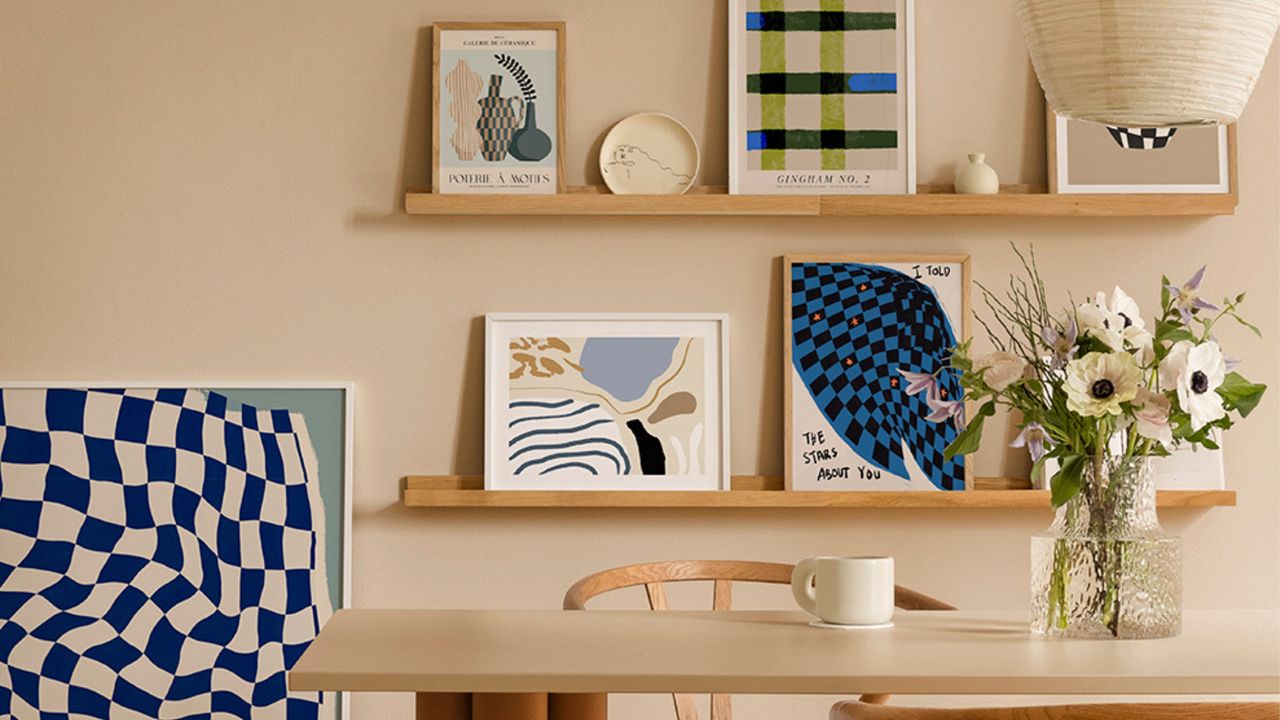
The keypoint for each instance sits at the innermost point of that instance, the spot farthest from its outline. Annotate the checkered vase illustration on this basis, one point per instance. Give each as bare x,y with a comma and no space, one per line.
1141,138
498,120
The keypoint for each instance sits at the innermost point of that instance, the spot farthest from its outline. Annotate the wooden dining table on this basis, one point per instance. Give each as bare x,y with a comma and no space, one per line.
540,664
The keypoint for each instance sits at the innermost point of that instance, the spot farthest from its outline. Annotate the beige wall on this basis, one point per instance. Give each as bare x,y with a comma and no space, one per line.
194,190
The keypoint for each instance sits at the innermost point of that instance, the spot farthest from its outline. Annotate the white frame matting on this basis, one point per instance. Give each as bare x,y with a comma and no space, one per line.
716,334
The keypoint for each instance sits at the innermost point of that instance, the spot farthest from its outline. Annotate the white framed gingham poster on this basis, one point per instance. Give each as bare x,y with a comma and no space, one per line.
821,97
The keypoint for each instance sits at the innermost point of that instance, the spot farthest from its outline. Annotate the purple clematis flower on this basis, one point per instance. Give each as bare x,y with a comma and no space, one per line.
1187,298
1061,344
1034,439
919,382
944,410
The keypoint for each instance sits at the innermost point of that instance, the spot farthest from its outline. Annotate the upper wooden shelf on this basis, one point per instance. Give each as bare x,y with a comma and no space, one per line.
1014,200
754,492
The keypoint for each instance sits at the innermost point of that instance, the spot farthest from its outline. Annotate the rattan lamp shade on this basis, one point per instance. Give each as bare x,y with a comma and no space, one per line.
1148,63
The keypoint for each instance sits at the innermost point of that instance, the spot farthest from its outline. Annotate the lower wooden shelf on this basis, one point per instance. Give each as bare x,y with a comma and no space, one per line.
1013,200
750,491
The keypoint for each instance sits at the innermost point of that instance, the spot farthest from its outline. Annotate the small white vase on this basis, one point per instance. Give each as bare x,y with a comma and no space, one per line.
977,177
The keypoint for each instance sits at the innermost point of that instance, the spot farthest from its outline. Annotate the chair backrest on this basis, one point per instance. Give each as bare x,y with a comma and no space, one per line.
1114,711
723,573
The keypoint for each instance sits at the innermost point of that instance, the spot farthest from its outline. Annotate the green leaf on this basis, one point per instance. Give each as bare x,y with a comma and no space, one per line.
1088,344
1247,324
967,441
1172,331
1164,291
1065,484
1037,468
1240,394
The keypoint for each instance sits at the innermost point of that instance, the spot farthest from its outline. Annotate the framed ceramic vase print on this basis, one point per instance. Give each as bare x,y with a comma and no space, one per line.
497,108
606,401
1090,158
821,97
858,329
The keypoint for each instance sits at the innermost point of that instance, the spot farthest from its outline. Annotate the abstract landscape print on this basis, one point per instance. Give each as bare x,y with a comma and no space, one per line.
615,408
163,553
821,96
857,326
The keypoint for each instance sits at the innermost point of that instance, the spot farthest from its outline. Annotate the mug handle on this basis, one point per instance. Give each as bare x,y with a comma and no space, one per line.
802,585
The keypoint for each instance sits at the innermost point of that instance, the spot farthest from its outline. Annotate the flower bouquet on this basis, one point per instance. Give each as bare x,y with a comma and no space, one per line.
1100,392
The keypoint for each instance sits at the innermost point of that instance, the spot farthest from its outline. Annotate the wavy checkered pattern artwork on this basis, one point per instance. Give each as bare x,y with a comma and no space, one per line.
160,556
854,326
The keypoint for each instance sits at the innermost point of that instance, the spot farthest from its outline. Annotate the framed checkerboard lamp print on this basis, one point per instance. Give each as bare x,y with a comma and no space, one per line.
170,549
821,97
870,401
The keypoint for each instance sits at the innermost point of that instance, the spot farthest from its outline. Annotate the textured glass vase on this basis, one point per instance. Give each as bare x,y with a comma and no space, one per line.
1104,568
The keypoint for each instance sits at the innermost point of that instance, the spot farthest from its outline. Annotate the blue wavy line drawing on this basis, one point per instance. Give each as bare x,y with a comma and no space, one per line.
581,429
560,456
566,466
558,431
541,403
574,443
579,411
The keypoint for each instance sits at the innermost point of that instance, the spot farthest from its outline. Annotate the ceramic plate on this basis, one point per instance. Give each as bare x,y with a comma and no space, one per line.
649,154
833,626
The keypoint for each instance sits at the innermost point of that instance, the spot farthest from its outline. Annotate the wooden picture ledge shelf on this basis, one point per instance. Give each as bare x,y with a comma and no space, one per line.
749,491
1013,200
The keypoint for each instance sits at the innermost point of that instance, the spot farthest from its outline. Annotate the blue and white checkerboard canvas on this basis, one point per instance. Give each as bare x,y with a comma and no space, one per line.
159,556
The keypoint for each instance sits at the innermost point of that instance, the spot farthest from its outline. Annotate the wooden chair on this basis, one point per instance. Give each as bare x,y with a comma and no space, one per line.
723,573
1115,711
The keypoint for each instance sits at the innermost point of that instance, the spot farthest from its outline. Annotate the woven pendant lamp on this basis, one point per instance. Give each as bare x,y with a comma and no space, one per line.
1148,63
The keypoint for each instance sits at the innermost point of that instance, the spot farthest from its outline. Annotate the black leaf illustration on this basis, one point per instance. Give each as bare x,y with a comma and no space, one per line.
522,78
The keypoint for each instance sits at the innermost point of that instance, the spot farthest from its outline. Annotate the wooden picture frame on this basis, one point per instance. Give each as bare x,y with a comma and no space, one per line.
607,401
806,427
519,173
1056,149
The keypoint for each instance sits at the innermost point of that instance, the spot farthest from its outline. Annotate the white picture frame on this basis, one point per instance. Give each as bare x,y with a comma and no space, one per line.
743,180
610,447
347,388
1060,177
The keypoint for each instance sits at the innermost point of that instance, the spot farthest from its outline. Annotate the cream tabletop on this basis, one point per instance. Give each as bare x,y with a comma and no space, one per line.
523,651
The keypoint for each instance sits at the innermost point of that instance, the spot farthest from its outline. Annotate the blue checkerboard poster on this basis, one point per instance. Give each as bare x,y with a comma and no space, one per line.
164,552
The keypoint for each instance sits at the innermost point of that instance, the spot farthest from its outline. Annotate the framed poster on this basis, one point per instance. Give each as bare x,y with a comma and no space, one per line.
586,401
856,326
497,99
821,97
198,512
1090,158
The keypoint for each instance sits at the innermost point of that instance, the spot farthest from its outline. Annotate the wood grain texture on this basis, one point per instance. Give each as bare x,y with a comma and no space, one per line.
925,653
509,706
1112,711
458,491
442,706
1015,201
723,573
577,706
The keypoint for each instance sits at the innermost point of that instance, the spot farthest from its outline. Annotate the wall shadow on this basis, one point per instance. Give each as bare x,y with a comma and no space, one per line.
415,149
770,445
468,450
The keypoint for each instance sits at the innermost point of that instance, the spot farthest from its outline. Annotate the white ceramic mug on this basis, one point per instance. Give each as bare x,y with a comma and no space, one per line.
845,590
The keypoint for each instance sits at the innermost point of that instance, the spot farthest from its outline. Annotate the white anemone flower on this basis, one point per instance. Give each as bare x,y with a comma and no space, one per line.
1118,324
1099,383
1173,364
1202,373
